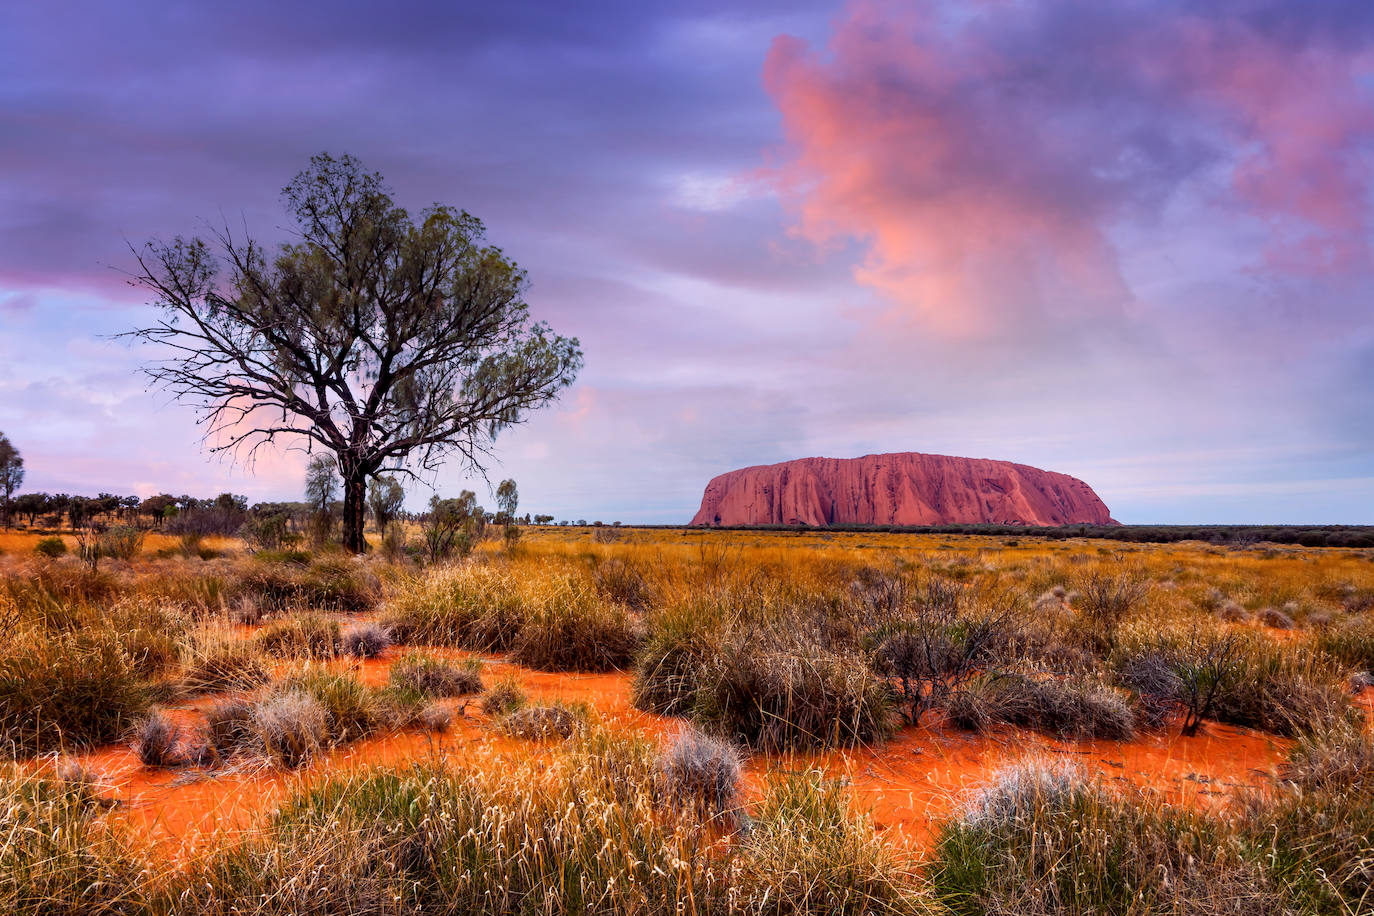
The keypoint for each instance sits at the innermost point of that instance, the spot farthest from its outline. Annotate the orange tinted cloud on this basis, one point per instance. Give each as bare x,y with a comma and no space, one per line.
985,156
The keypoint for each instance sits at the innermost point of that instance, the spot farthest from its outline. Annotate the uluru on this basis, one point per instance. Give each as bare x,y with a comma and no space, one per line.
903,488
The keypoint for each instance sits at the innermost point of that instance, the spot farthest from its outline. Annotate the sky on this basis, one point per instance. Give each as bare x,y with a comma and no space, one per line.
1131,242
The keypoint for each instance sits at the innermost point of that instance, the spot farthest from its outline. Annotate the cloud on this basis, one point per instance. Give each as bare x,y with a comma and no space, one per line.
987,155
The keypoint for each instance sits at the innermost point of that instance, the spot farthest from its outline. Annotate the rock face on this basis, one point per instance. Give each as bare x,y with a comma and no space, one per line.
906,488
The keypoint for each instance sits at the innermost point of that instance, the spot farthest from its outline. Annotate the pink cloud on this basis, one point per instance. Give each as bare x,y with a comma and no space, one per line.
984,156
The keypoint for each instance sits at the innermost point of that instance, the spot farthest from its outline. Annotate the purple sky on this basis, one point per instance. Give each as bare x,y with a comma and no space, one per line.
1127,241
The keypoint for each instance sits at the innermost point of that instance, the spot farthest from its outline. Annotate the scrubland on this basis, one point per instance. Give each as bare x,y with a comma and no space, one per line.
633,721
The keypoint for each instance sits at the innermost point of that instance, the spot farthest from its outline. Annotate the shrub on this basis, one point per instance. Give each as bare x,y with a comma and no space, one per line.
1351,642
367,640
351,709
121,543
572,630
72,688
229,727
807,853
933,648
1231,612
503,697
156,739
672,659
1069,707
50,547
1317,833
623,583
304,636
1273,617
290,727
470,606
540,723
436,718
435,677
1042,839
701,774
223,663
791,697
56,858
1106,601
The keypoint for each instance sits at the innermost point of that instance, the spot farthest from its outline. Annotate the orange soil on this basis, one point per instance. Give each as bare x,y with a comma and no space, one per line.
919,777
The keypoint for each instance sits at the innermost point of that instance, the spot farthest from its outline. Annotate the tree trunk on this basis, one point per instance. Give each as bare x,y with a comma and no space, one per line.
355,509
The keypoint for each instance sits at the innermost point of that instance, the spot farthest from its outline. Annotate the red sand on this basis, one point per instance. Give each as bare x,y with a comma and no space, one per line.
909,783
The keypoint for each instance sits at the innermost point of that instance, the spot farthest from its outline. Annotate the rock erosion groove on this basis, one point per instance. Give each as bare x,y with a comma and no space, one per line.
904,488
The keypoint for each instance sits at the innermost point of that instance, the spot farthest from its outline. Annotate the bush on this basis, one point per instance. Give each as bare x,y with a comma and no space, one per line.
1068,708
367,640
701,774
1042,839
471,607
67,689
504,697
540,723
222,663
351,709
791,697
229,727
807,853
156,739
1351,642
434,677
57,858
50,547
1317,832
574,631
290,727
121,543
305,636
1273,617
1106,601
671,661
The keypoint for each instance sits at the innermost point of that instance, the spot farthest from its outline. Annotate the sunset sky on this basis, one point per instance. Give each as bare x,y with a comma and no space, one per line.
1129,241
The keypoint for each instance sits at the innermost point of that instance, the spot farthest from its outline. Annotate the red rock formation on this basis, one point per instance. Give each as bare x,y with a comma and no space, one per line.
906,488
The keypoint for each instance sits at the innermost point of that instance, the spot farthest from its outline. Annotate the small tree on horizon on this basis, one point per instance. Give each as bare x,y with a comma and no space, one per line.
394,343
11,476
321,486
385,496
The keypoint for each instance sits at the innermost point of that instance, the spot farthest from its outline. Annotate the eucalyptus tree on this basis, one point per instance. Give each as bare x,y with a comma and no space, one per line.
395,343
11,475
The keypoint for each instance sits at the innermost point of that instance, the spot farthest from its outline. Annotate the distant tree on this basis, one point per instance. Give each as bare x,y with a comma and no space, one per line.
11,475
543,519
393,343
507,499
321,485
155,507
32,505
385,496
451,525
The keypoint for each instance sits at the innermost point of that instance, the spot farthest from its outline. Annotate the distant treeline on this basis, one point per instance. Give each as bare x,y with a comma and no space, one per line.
1303,535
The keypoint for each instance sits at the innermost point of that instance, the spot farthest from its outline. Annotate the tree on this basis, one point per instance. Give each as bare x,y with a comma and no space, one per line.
32,505
11,475
507,499
451,524
320,488
394,343
385,496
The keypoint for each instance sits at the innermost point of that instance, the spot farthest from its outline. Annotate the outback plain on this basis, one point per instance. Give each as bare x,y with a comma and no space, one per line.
613,719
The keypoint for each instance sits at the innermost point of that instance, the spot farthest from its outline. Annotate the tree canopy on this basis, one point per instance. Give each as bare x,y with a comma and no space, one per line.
394,342
11,475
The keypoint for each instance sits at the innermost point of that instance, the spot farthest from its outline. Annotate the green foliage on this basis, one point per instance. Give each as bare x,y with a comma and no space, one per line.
67,689
1043,839
50,547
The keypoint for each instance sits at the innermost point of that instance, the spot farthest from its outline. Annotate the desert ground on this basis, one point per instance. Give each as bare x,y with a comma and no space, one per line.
589,720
